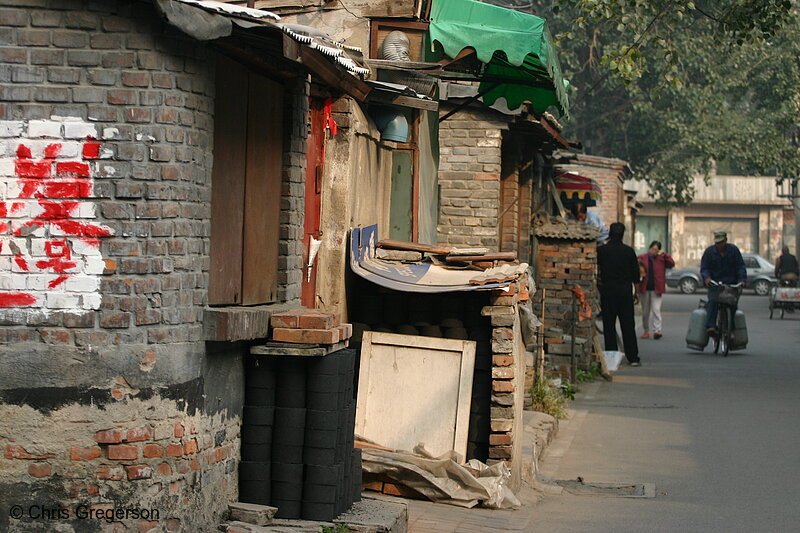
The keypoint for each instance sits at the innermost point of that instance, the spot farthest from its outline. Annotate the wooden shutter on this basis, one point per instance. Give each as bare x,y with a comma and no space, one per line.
227,183
262,200
246,187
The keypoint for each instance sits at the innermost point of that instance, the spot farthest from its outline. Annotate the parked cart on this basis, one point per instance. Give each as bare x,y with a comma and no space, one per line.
785,299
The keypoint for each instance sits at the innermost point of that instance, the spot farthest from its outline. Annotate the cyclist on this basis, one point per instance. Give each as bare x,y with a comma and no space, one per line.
722,262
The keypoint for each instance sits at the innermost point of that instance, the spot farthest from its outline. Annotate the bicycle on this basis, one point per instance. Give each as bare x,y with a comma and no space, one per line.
727,302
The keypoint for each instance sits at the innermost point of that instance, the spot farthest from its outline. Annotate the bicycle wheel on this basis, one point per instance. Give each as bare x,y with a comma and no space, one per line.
725,328
718,336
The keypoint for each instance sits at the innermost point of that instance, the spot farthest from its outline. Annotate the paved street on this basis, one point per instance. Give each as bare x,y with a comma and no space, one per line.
719,437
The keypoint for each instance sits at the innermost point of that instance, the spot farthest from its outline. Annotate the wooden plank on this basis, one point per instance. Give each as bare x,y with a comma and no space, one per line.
415,179
403,65
497,256
227,183
415,246
404,101
262,191
389,8
398,404
298,350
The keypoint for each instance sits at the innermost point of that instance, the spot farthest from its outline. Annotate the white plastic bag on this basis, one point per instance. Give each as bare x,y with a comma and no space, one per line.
613,359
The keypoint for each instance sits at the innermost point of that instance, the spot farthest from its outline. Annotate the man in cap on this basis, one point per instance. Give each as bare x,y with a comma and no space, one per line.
619,271
722,263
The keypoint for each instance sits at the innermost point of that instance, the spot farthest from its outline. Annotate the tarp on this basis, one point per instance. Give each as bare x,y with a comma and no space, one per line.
420,277
444,479
516,47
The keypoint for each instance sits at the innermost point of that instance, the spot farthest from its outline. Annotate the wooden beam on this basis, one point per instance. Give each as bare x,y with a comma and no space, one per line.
415,246
401,100
496,256
390,64
554,133
463,54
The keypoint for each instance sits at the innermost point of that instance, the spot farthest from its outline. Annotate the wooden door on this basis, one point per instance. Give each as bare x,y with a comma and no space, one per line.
315,159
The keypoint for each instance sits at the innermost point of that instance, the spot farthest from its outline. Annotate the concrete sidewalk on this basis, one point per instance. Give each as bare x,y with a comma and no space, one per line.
428,517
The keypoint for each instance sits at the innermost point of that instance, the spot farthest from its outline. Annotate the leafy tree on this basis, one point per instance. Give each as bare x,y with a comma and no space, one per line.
673,87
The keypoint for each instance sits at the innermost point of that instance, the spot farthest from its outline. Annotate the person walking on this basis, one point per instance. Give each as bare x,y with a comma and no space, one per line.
618,273
722,262
786,267
653,286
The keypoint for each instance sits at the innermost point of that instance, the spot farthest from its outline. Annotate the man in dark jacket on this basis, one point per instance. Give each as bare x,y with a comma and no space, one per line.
722,263
786,267
619,271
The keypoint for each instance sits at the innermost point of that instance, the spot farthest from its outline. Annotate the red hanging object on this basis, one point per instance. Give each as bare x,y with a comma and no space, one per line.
330,123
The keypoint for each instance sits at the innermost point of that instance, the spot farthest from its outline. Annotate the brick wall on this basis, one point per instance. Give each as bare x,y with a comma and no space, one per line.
106,125
607,173
116,112
516,196
290,260
469,177
561,265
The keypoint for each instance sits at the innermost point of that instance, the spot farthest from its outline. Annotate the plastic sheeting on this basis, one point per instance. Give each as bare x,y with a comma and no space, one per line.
443,479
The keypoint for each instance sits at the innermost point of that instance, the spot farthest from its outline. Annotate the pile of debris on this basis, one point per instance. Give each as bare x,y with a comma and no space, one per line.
497,267
550,227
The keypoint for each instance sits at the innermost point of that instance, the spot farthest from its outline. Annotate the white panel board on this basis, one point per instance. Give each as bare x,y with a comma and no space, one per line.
415,390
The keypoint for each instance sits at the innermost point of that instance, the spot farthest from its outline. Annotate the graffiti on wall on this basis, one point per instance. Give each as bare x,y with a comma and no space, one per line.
49,239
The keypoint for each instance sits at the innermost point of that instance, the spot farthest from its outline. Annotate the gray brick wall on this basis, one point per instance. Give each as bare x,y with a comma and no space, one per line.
293,194
148,92
469,177
118,348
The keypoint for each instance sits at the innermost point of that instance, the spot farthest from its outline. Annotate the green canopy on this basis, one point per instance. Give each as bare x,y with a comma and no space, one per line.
516,47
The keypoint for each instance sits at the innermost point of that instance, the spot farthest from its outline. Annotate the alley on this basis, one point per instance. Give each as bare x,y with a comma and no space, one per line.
718,436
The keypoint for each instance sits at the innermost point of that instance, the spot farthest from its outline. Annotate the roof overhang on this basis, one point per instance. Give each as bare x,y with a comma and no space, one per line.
258,38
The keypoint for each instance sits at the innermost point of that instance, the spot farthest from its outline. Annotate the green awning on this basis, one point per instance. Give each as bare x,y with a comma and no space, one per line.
516,47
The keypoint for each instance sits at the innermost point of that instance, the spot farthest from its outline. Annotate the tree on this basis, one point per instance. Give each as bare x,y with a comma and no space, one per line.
673,87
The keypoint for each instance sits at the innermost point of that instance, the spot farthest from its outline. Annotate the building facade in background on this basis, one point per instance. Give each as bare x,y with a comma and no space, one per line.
747,207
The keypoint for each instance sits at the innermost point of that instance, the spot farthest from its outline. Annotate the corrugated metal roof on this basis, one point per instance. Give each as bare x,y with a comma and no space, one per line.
249,18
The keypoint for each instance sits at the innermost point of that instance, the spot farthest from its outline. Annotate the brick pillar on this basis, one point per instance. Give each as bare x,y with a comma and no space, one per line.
469,178
508,377
561,265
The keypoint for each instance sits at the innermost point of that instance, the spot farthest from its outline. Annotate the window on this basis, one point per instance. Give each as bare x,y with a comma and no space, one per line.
245,187
751,262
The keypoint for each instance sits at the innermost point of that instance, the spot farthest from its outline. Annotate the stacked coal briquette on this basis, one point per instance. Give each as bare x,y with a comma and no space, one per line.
297,435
